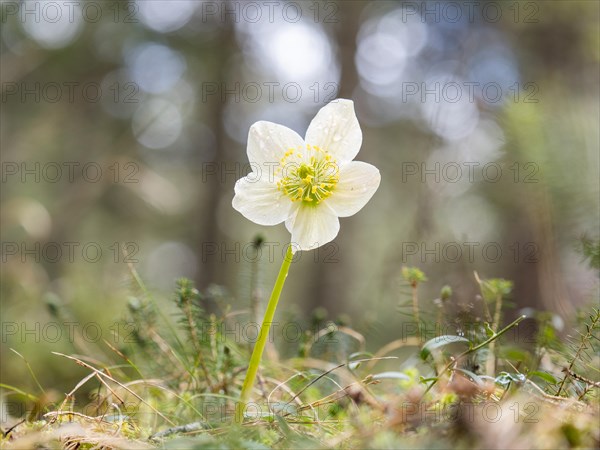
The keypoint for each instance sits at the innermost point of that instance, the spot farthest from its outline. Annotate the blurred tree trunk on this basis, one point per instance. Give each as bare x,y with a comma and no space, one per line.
538,277
207,220
330,288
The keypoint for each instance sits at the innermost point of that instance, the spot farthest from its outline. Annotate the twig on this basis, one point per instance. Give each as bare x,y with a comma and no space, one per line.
582,346
102,374
331,370
581,378
474,349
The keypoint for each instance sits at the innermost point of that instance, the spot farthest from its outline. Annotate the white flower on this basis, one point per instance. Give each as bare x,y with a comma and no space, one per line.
308,183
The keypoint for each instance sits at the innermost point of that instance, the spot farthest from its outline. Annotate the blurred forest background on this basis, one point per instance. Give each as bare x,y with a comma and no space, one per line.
124,125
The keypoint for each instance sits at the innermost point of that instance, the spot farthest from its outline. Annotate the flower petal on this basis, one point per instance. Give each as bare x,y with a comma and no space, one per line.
358,182
260,201
335,129
268,141
312,227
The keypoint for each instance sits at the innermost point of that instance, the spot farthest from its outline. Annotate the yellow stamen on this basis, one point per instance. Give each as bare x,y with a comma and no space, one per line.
310,182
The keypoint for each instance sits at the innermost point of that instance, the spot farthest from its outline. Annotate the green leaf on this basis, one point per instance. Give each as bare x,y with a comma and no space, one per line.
514,354
474,377
506,378
352,365
267,415
424,380
283,425
544,376
283,408
391,375
439,342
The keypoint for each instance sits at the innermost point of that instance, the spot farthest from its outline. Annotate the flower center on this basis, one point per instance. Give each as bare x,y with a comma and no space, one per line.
311,182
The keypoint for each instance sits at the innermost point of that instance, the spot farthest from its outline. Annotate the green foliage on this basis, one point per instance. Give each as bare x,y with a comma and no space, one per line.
445,293
439,342
413,275
186,368
590,250
495,287
583,358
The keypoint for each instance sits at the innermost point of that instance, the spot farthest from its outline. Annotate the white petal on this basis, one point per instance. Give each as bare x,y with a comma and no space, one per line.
358,182
260,201
267,142
335,129
312,227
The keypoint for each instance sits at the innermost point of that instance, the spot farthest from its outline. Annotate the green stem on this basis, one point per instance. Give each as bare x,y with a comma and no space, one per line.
491,361
415,302
262,337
